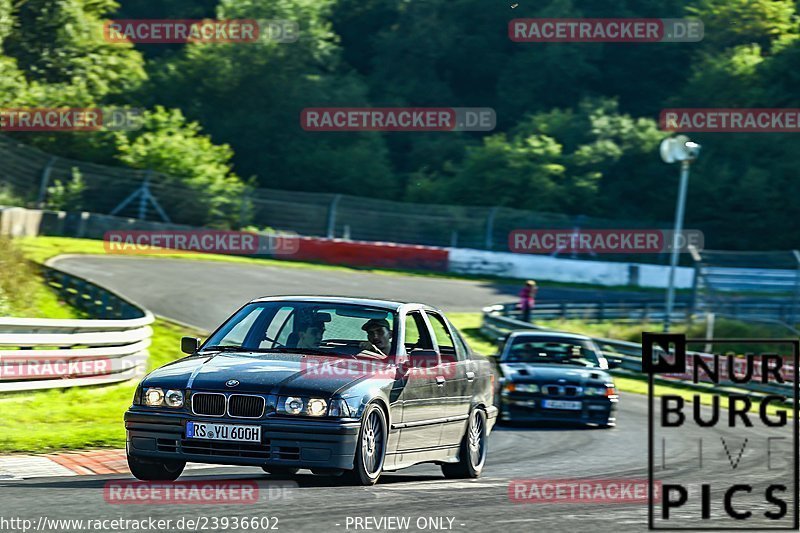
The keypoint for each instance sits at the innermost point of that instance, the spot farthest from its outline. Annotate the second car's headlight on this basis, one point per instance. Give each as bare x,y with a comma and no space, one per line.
174,398
153,397
527,387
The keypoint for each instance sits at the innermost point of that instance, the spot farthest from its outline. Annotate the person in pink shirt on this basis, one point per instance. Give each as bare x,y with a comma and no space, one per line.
527,299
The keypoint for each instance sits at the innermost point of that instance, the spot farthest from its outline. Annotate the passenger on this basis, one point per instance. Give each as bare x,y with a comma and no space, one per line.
379,338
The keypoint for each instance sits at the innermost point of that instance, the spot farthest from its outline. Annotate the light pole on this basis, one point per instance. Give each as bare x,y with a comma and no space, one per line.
674,149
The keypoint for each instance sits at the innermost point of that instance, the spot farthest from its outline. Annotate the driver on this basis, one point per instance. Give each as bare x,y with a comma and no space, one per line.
379,338
311,335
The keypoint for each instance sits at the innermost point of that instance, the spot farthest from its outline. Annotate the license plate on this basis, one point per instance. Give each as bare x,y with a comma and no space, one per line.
209,431
561,404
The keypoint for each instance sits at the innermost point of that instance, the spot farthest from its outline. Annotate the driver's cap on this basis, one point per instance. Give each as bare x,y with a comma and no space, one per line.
373,323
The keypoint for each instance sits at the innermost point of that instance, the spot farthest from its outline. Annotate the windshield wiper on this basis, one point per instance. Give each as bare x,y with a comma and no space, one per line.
312,351
225,348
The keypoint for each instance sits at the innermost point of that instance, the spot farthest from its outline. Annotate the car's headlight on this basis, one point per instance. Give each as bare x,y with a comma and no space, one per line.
153,397
317,407
295,405
174,398
599,391
527,387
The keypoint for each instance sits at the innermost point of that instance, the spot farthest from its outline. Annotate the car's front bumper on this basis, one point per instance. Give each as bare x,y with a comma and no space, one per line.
593,411
284,442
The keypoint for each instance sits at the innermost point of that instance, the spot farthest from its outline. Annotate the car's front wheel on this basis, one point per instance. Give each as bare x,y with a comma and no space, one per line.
472,454
371,448
153,470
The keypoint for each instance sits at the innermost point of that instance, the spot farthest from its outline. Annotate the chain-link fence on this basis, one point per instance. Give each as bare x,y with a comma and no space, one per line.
143,194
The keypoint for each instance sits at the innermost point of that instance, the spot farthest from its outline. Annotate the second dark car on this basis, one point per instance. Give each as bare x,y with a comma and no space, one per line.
555,377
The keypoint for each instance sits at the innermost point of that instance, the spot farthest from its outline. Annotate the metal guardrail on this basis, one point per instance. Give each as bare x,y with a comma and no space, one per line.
604,310
54,353
496,325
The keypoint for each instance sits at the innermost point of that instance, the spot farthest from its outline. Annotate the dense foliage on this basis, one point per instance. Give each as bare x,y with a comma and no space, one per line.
577,125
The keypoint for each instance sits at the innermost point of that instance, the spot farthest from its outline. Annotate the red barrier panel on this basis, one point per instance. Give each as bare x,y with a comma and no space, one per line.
371,254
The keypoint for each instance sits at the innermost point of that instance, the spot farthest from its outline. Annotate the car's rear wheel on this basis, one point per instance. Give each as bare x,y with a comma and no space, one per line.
153,470
371,448
280,471
472,454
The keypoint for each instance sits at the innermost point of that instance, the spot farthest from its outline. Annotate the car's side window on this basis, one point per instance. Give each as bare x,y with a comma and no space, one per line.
462,351
417,336
443,338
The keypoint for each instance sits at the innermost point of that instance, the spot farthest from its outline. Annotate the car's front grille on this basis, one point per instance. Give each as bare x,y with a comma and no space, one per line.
561,390
208,404
225,449
246,406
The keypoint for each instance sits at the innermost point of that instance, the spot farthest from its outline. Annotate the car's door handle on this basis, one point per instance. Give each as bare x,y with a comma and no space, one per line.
440,381
470,375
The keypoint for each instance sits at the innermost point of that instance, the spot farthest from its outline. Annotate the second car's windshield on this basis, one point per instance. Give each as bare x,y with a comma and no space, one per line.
526,350
327,328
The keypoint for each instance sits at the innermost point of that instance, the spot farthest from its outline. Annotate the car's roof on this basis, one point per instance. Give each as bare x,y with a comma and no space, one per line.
548,334
385,304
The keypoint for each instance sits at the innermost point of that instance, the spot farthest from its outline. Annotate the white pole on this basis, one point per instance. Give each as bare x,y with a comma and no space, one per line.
676,242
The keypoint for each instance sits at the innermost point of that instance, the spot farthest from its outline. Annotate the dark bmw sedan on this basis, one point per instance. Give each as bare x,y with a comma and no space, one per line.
555,377
344,387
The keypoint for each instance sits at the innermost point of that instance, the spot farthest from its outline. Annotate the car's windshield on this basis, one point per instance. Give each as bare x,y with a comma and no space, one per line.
319,328
556,351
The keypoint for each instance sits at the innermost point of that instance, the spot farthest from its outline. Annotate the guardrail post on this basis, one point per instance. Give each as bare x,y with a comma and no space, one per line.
45,182
490,228
332,216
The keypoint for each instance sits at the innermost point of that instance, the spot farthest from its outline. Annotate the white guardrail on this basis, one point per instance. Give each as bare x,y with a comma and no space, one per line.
43,353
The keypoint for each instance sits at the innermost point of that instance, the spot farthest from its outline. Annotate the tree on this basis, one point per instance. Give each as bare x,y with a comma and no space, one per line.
193,176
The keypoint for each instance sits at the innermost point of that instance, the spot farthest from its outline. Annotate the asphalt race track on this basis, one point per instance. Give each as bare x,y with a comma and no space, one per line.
203,293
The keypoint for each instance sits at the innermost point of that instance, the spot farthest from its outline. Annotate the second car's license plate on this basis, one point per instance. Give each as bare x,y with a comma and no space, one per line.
561,404
207,430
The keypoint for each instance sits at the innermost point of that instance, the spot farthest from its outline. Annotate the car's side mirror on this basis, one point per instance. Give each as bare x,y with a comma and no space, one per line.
190,345
614,363
423,359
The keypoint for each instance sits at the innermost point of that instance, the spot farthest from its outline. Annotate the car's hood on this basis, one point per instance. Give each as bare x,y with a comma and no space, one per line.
267,373
552,373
